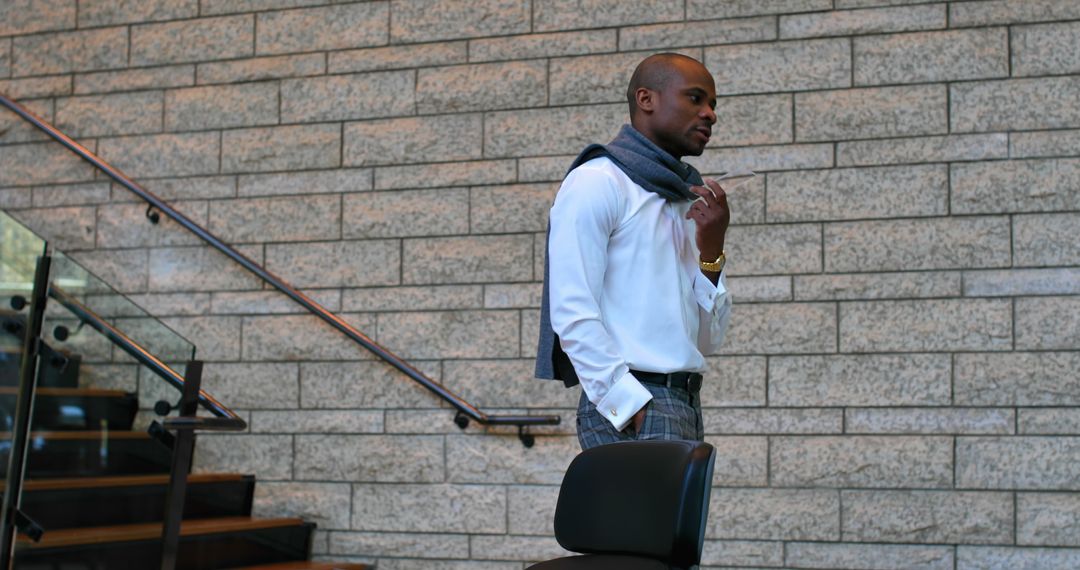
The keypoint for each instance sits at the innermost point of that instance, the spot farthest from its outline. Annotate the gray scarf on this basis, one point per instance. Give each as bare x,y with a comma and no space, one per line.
650,167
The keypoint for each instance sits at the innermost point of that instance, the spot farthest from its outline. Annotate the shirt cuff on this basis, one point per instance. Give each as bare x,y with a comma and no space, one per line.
623,400
706,293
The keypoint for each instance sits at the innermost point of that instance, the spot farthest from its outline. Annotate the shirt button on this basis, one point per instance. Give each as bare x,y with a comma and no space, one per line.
614,414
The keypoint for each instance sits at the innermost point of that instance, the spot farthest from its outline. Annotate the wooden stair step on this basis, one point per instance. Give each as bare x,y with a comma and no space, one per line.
151,531
307,565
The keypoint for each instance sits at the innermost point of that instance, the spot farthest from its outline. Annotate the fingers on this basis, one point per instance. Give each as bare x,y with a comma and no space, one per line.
717,190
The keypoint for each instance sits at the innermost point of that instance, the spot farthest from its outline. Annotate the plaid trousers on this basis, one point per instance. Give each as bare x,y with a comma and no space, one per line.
673,413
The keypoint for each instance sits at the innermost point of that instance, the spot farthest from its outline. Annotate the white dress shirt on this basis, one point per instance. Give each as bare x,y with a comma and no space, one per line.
625,288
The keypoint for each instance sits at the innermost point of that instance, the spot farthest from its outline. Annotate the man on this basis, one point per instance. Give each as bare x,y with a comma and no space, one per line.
634,291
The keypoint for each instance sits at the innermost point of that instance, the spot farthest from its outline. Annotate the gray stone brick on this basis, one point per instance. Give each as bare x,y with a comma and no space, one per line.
686,34
743,552
41,163
1046,323
593,78
517,547
542,45
479,259
760,289
774,514
15,197
125,225
71,194
358,96
316,421
122,114
1014,104
163,155
860,380
869,556
932,56
293,147
192,40
406,213
258,68
451,334
871,113
440,422
5,57
872,21
1001,557
791,328
855,193
481,87
1047,519
268,302
928,516
124,269
929,421
325,28
494,459
1048,143
504,209
564,130
218,338
773,421
70,228
276,219
531,509
254,386
950,148
709,9
133,79
1046,239
1016,186
505,384
336,263
64,52
29,16
446,508
341,180
939,243
563,15
397,57
352,385
427,20
36,87
94,13
414,139
947,324
400,544
1011,12
734,381
370,458
14,129
407,564
740,461
424,298
1017,282
271,456
302,337
445,174
1045,50
1049,421
764,158
234,6
1018,462
201,108
187,188
522,295
781,66
789,248
325,504
876,286
861,461
1018,379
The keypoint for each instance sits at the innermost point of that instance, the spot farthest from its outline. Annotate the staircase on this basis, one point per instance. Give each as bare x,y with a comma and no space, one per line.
98,486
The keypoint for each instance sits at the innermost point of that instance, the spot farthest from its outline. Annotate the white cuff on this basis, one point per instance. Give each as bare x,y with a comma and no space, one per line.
623,400
706,293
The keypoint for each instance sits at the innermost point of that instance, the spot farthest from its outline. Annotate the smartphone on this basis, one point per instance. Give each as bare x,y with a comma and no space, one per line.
732,180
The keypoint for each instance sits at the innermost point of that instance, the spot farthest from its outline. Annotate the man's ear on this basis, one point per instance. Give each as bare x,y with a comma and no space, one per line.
646,99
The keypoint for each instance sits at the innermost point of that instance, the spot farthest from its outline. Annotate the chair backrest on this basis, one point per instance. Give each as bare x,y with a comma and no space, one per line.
641,498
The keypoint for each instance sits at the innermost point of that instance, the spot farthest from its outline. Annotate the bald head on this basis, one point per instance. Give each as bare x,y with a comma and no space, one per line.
655,73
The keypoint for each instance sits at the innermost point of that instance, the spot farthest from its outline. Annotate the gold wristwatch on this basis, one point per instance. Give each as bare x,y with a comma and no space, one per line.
713,266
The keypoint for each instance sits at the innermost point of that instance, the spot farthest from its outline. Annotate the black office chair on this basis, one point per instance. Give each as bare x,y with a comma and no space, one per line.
634,505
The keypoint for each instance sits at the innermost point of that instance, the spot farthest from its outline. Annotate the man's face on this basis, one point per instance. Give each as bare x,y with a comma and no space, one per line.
684,111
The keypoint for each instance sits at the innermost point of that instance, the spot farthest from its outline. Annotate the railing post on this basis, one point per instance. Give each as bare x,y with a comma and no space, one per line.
181,464
20,437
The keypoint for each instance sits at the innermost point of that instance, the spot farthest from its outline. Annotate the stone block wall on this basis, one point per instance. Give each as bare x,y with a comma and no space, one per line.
899,388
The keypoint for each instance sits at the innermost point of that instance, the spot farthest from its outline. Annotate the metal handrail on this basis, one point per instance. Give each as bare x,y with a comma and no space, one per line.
465,410
226,419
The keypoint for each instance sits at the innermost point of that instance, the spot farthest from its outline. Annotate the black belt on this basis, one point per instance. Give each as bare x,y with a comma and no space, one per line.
689,381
